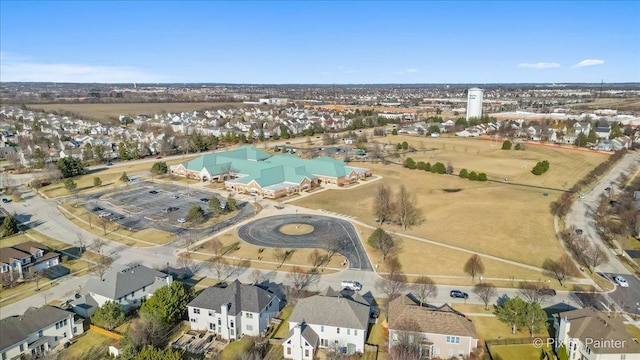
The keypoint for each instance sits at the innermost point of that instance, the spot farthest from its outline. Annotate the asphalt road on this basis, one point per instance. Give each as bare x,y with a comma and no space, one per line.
326,232
627,297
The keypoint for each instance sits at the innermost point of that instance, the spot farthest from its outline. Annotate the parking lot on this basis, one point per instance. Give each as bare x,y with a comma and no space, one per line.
144,205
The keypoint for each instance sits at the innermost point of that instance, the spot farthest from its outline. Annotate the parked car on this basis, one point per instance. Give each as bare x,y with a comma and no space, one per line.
622,282
109,163
182,220
581,196
98,208
457,294
5,200
116,217
175,196
352,285
579,231
204,200
546,291
104,214
170,209
153,192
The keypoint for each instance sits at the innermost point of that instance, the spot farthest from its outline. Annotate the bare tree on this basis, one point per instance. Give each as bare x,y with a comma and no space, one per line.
594,257
316,258
393,266
383,204
392,286
221,267
474,266
298,279
561,269
332,245
531,291
81,241
216,247
184,263
281,255
424,288
405,343
486,291
256,277
406,209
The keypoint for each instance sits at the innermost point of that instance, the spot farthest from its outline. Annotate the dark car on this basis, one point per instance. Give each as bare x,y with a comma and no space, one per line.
5,200
204,200
109,163
579,231
546,291
457,294
170,209
153,192
97,208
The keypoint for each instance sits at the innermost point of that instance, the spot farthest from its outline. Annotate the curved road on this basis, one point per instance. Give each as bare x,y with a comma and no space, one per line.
327,231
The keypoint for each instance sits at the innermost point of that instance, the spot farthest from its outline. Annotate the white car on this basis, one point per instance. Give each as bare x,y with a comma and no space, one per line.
622,282
581,196
175,196
104,214
352,285
182,220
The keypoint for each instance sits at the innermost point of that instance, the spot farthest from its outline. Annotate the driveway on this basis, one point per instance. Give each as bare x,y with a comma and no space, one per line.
327,231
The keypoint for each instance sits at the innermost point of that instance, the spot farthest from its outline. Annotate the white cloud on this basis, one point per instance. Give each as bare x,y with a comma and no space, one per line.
589,62
15,69
539,65
413,70
325,73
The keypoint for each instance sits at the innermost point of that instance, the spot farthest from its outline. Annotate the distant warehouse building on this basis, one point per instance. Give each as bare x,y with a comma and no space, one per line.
249,170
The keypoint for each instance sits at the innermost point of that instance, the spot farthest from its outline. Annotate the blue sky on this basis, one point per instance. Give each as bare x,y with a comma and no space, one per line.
320,42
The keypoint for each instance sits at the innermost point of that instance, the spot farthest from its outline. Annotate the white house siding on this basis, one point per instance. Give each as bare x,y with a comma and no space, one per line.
330,337
45,264
65,331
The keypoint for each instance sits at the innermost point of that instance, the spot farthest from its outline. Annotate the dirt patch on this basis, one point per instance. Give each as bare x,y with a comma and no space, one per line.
296,229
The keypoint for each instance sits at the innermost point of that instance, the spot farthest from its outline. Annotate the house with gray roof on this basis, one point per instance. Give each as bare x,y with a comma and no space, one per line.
127,286
26,258
37,331
590,334
328,320
233,311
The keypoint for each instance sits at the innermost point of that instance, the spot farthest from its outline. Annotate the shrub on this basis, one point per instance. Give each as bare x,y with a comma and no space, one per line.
464,173
473,176
506,145
482,177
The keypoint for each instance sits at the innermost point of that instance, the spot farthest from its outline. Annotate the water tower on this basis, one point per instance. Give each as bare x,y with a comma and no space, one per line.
474,103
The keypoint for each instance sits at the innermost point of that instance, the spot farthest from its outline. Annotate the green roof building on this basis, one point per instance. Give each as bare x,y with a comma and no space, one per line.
250,170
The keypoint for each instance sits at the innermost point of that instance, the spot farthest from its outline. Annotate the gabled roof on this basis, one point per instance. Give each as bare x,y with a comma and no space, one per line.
123,281
241,297
593,324
331,311
443,320
16,329
307,334
23,250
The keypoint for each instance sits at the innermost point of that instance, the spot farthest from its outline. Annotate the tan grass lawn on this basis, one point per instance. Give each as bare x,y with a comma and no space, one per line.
633,330
32,235
376,333
490,328
267,258
520,352
87,345
114,231
504,220
104,111
296,229
234,350
283,328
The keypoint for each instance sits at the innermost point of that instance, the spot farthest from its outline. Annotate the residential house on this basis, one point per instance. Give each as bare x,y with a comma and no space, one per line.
37,331
128,286
21,260
329,320
233,311
588,334
441,331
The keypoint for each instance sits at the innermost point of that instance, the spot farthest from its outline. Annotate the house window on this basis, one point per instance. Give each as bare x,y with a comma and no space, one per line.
40,333
212,326
306,352
394,337
193,320
288,351
75,330
355,331
337,330
64,335
321,328
249,315
196,311
453,340
249,327
21,347
211,313
65,322
231,324
219,322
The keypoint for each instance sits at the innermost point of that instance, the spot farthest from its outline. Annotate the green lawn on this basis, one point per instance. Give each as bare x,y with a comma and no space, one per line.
283,329
234,350
89,346
490,328
520,352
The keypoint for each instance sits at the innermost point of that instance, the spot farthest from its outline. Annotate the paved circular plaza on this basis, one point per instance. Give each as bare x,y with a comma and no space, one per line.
327,232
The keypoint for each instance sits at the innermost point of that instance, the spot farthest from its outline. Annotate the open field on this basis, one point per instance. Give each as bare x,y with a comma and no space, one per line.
105,111
626,104
506,220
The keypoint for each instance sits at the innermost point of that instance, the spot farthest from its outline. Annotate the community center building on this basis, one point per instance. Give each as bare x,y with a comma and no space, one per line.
250,170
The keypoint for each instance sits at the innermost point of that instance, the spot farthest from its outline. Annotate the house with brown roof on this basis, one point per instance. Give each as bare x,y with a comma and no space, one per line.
26,258
435,332
593,335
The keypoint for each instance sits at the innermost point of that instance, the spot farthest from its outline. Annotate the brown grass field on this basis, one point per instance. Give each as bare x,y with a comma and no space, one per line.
105,111
500,219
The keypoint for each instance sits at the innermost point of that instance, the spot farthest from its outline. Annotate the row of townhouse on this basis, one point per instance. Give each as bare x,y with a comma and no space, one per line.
21,261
